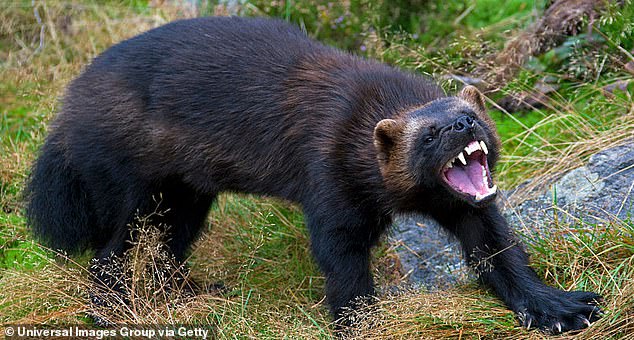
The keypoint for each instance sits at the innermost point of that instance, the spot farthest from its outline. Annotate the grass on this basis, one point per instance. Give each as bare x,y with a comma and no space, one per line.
257,248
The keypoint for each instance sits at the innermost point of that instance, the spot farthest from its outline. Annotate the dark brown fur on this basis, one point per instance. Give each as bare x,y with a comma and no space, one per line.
202,106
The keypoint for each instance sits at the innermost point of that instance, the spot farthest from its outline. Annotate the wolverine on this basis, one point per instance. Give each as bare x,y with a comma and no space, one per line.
252,105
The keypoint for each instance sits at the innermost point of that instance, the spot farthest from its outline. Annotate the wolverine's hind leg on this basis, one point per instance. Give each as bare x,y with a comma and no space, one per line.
118,206
184,216
185,213
177,210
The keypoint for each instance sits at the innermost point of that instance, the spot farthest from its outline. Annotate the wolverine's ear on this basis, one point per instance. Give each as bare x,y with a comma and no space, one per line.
386,135
472,95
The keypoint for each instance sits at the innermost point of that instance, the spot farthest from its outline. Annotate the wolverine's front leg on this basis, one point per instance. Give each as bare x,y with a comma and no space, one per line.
501,264
341,240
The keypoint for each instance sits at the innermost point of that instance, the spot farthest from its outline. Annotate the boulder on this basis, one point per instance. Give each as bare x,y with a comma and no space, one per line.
597,193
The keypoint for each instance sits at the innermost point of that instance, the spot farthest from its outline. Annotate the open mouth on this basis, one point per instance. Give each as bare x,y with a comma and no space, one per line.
468,173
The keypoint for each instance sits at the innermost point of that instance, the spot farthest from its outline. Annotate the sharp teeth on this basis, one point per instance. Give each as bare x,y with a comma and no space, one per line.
449,164
462,159
483,146
492,190
472,147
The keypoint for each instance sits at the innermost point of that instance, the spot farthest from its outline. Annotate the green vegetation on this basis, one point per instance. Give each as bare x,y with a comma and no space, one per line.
258,248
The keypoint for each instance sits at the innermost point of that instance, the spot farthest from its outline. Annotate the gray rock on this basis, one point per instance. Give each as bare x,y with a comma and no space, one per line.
599,192
430,258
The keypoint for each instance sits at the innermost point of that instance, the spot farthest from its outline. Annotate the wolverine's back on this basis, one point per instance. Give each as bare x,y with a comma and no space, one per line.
229,104
201,94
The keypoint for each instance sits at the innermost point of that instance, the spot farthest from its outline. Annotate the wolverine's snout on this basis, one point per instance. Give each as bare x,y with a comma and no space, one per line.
463,123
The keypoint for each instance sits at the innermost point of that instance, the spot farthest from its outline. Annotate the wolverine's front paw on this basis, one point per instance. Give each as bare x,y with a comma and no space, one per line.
559,311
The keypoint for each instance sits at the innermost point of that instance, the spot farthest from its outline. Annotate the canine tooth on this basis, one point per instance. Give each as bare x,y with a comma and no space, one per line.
483,146
462,159
480,197
472,147
449,164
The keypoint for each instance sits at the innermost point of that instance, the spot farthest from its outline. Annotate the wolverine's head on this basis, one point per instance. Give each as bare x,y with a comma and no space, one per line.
448,144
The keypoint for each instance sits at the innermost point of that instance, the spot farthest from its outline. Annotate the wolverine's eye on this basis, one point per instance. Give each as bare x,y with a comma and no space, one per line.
431,136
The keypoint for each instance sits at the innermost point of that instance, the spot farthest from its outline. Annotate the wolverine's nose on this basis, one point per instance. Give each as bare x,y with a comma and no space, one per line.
463,123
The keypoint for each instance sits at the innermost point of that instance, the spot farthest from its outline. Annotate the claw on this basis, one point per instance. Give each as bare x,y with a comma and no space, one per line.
558,326
597,311
528,324
586,321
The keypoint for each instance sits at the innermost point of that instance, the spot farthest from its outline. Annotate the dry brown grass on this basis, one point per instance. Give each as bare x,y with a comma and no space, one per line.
456,314
598,259
43,47
579,139
562,18
57,292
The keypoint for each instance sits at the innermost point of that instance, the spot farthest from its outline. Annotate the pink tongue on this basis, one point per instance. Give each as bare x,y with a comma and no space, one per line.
467,179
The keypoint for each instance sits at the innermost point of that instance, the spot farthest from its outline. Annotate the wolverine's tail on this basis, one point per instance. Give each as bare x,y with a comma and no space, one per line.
58,209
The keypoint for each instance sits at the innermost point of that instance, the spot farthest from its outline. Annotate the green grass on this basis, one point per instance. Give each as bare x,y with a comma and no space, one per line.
258,248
